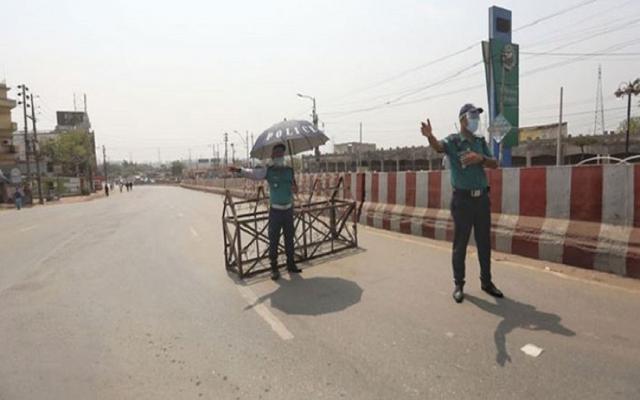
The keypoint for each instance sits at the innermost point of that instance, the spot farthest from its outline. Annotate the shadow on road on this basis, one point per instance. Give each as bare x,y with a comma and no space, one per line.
313,296
517,315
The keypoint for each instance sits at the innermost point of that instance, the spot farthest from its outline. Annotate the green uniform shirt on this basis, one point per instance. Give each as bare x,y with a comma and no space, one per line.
471,177
280,181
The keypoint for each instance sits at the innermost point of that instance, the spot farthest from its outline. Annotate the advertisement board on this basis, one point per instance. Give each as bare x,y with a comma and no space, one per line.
70,118
502,72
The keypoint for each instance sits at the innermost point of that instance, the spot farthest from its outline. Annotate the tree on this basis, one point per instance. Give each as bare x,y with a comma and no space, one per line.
584,141
634,126
70,149
176,168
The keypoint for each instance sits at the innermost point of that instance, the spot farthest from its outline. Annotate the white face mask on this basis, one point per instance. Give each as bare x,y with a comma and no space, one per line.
472,124
278,162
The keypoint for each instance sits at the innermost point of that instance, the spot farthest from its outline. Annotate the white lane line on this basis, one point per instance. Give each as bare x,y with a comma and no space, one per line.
28,228
194,232
273,321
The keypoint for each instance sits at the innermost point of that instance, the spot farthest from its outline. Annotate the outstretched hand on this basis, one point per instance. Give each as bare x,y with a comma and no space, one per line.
426,129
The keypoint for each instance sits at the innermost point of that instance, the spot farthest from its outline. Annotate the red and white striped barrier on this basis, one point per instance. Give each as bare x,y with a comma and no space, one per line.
586,216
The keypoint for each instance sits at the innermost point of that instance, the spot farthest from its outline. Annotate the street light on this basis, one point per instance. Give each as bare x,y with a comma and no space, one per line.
628,89
314,115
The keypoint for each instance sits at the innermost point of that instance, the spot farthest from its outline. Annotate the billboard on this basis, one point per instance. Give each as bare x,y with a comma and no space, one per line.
71,118
502,72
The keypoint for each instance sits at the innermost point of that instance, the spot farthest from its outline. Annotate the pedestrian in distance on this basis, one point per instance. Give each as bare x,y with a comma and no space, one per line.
17,198
120,187
468,155
282,186
106,190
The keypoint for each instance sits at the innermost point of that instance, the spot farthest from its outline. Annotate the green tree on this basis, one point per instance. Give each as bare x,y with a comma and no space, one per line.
176,168
584,141
70,149
634,127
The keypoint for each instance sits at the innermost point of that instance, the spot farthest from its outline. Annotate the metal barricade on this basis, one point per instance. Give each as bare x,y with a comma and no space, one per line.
322,227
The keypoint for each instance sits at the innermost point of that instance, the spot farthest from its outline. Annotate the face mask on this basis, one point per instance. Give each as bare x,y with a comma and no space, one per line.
278,162
472,125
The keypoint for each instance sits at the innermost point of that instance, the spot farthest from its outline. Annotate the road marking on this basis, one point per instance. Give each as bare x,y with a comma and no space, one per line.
180,215
262,310
28,228
194,232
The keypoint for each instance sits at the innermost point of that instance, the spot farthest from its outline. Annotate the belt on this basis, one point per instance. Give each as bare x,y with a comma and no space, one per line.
281,206
472,193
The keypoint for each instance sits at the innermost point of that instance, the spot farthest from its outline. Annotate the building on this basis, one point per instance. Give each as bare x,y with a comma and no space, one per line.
7,127
7,150
528,153
538,132
353,148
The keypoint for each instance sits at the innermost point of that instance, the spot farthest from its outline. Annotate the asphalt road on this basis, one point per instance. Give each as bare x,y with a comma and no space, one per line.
127,298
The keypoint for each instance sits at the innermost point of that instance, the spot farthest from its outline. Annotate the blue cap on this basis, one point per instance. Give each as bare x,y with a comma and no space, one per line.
469,108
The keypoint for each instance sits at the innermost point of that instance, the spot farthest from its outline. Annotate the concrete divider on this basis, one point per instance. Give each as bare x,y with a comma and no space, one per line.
586,216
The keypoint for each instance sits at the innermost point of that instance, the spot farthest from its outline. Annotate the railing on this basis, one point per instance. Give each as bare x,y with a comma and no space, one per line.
321,228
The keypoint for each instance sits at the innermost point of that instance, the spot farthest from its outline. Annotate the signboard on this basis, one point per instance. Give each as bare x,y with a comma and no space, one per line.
503,73
70,118
16,176
70,185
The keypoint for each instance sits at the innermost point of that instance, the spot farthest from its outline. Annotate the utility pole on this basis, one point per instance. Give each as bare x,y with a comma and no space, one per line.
104,164
359,149
559,142
246,142
628,89
226,141
84,96
74,102
252,143
26,133
233,154
36,152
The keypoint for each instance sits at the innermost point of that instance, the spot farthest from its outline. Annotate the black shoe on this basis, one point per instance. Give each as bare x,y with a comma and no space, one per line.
491,289
294,269
275,275
458,295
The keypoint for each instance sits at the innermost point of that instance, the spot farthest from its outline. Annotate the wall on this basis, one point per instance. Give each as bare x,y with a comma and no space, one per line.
586,216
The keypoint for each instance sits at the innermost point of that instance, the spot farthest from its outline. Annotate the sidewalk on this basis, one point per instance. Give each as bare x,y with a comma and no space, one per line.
62,200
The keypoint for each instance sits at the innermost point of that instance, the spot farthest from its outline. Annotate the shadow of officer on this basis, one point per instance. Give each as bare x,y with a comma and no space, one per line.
312,296
518,315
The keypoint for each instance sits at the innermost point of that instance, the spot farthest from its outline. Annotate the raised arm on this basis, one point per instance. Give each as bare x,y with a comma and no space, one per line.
256,174
433,142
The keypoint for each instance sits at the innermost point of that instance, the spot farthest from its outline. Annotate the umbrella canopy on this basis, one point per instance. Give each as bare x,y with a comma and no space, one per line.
298,136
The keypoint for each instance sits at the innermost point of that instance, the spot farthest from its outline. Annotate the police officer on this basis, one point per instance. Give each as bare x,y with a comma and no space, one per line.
282,185
468,154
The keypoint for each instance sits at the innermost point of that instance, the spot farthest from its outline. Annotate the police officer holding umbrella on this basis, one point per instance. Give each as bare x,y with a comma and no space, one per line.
468,155
296,137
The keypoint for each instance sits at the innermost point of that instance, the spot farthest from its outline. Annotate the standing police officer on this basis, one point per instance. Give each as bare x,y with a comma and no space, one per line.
468,154
282,186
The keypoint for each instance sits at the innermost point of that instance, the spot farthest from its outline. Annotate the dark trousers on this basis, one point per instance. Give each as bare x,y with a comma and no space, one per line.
281,220
471,212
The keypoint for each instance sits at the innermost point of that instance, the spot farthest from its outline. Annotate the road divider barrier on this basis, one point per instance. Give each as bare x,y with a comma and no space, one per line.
584,216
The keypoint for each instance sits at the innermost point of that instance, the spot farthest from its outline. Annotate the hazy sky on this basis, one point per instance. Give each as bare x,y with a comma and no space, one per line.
165,77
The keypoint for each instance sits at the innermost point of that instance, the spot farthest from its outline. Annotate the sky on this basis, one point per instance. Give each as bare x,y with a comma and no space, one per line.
166,79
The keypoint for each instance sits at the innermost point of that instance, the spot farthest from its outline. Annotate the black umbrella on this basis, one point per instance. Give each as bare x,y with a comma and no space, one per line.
298,136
